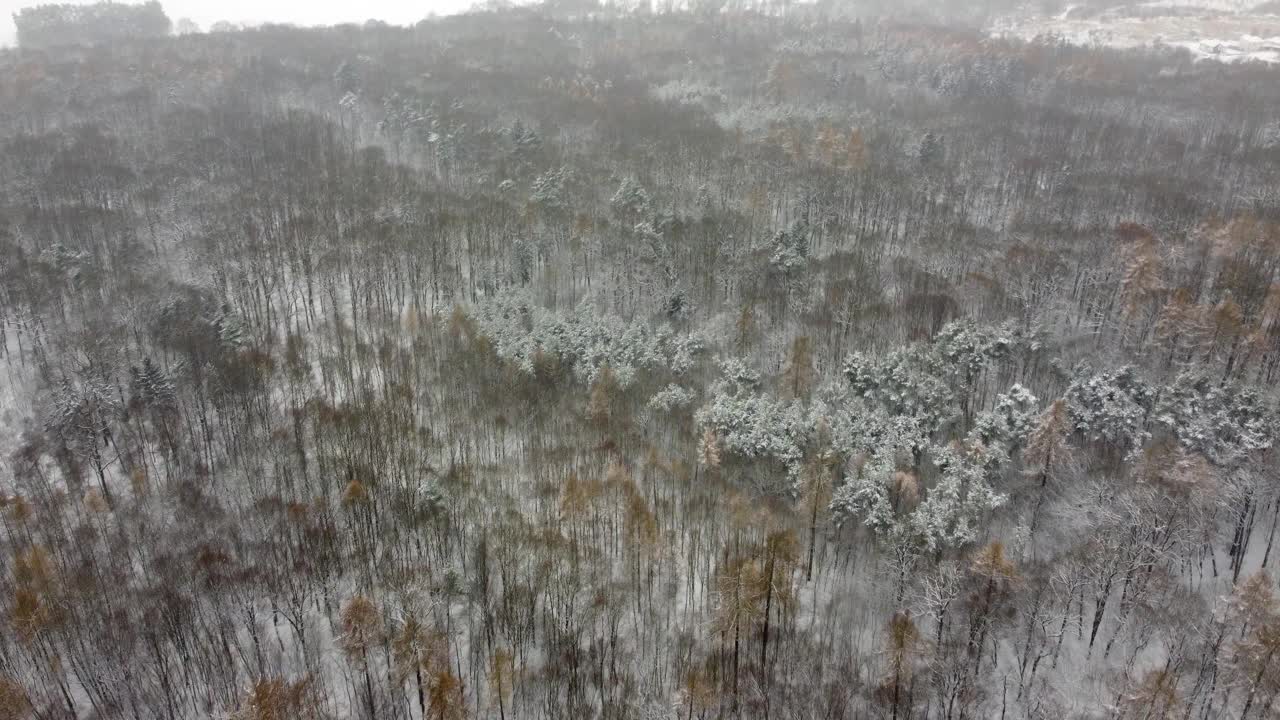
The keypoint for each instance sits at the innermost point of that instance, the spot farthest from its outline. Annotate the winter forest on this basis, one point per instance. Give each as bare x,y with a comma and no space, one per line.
732,361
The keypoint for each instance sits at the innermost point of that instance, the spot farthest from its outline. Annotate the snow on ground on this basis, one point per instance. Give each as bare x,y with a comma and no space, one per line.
1225,30
1232,6
16,411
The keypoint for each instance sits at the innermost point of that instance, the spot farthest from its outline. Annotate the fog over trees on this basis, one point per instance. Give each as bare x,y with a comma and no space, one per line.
734,360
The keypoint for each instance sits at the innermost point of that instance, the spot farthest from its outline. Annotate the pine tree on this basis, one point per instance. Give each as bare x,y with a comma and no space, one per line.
905,650
630,202
1257,613
932,151
444,697
1225,423
1048,454
738,605
36,608
151,388
791,249
752,424
993,577
279,699
1155,697
698,693
777,568
14,703
362,631
745,329
501,676
230,328
346,78
1142,273
1182,325
953,511
418,650
1006,426
709,450
815,495
550,191
1110,407
603,391
856,150
82,417
798,375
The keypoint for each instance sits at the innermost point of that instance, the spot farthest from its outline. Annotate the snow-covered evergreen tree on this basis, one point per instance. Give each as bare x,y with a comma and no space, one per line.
583,340
630,201
952,510
550,190
230,327
790,250
886,493
151,387
1224,422
752,424
670,398
1007,425
1110,406
873,491
902,383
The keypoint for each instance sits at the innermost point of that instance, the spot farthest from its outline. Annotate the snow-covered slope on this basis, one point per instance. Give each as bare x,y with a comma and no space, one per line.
1226,30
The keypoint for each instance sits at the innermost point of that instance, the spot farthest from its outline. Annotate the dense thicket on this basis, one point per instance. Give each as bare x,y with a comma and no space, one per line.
544,363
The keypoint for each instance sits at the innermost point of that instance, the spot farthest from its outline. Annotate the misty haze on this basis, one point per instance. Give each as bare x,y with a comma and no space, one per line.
714,359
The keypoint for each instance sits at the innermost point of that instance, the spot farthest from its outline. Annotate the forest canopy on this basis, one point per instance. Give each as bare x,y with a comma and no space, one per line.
750,360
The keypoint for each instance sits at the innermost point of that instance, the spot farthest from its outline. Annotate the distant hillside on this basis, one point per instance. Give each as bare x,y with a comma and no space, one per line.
1223,30
53,25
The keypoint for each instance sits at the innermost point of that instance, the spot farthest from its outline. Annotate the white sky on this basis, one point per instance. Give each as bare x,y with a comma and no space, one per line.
301,12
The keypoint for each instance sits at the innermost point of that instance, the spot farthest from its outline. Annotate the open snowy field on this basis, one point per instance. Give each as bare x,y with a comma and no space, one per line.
1226,30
